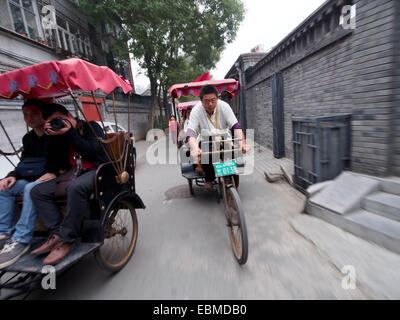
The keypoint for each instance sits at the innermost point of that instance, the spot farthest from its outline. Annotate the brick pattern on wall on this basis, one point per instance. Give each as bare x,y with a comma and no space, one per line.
355,74
395,160
373,86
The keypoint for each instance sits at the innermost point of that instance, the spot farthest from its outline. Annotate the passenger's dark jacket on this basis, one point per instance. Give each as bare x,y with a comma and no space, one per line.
33,147
82,140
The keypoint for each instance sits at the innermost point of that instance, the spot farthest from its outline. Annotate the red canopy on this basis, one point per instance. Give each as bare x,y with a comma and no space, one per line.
193,88
185,105
203,77
53,79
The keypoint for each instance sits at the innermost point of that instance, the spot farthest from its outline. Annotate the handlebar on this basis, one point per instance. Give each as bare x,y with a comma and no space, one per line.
221,151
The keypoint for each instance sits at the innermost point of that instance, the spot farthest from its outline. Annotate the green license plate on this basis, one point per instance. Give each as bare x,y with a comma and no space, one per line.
225,168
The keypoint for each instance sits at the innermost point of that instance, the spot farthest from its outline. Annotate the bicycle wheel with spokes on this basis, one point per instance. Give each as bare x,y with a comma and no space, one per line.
120,237
236,225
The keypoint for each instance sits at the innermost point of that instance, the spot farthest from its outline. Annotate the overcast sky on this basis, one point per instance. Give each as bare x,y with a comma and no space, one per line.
266,22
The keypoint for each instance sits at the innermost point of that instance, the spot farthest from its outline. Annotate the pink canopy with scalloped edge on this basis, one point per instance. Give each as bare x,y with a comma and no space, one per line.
184,105
53,79
193,88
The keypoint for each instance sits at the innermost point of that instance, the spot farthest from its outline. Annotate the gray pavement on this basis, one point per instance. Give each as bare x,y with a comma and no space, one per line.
375,268
183,249
265,162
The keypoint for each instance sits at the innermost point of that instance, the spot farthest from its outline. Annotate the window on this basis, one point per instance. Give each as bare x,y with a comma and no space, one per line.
113,30
25,17
51,37
72,38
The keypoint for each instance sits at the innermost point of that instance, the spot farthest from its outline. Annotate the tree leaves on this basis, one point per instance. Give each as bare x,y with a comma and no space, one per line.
173,39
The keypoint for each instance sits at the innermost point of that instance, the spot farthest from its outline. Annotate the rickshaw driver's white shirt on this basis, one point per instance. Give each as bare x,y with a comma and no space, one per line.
200,123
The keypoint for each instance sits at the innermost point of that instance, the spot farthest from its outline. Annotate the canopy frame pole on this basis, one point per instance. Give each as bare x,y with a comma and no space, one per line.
176,118
94,132
129,130
12,163
174,106
116,129
129,113
115,112
98,111
9,140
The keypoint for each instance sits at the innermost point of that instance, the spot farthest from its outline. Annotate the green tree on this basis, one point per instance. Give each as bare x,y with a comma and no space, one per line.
180,70
171,37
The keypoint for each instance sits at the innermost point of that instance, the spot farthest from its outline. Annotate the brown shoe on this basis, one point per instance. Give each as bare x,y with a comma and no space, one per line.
48,245
58,253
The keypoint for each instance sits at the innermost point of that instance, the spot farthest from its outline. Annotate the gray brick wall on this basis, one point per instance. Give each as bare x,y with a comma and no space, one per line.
342,72
395,160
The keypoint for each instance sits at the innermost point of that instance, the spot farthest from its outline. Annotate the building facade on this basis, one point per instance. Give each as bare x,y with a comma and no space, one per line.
337,63
26,39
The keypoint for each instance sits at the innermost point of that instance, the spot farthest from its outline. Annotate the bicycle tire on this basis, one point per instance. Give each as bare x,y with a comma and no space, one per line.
123,218
238,230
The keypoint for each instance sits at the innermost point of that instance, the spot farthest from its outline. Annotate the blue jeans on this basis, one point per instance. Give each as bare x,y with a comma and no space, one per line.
27,221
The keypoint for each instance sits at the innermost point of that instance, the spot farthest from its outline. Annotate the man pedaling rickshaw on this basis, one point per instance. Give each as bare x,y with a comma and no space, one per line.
213,115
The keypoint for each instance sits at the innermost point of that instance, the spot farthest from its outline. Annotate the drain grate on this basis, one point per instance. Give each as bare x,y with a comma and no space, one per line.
183,192
179,192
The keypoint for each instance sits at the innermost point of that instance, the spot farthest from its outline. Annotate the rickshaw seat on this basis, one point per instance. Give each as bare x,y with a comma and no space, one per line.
115,142
19,200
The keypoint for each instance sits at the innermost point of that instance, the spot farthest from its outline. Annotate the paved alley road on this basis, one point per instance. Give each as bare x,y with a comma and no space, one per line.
183,249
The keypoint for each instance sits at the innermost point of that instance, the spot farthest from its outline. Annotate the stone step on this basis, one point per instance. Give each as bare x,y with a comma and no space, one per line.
364,224
391,186
376,223
384,204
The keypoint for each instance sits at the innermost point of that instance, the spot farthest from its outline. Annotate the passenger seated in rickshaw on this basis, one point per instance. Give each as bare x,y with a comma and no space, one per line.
76,145
212,114
184,126
173,127
16,238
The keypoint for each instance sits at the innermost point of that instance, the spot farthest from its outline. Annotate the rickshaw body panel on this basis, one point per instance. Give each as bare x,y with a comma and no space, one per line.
34,263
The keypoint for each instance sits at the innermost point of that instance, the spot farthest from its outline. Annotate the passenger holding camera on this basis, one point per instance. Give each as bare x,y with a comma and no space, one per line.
76,152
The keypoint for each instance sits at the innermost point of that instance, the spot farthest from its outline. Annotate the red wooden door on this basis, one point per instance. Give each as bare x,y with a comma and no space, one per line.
89,108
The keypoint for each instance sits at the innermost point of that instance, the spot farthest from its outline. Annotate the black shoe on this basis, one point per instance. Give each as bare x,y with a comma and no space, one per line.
3,241
11,252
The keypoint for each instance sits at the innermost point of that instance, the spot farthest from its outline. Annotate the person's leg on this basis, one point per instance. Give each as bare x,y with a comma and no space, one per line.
209,172
7,201
43,199
14,249
27,221
78,193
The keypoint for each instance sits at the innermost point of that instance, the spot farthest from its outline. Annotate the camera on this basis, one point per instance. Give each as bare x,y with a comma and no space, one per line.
57,124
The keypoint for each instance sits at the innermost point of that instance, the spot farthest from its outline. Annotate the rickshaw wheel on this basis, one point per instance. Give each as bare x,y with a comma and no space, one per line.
238,230
121,231
236,178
